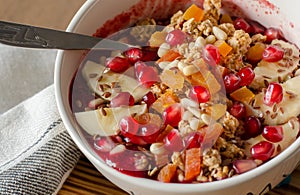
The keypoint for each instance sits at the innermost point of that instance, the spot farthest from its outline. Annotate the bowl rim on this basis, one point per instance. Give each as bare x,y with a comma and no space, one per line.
148,183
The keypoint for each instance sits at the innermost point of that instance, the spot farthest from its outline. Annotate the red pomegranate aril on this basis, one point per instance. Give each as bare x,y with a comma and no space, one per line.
146,75
117,64
242,24
133,54
238,110
149,54
128,126
193,140
256,28
247,76
122,99
149,132
273,94
199,94
273,53
262,150
272,34
273,133
244,165
252,127
103,144
211,55
175,37
172,115
173,141
231,82
149,99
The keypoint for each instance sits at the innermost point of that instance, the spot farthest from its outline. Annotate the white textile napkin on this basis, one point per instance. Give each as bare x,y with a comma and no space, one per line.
36,152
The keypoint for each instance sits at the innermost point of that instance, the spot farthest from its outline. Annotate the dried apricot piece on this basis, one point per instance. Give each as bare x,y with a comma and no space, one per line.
157,38
169,56
192,163
194,12
223,47
167,173
172,79
242,94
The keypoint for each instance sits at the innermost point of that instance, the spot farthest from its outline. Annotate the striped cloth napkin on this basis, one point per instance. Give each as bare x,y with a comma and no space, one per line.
36,152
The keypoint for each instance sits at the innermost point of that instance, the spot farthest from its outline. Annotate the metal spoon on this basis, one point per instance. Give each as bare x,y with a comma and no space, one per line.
35,37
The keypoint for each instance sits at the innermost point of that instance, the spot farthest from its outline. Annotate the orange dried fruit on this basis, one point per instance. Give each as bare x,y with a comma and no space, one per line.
255,52
169,56
173,79
223,47
192,163
194,12
242,94
167,173
157,38
165,100
218,111
226,18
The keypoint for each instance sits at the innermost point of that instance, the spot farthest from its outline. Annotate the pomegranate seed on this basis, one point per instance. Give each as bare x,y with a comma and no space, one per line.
149,99
273,53
273,33
193,140
247,76
146,75
122,99
238,110
133,54
199,94
273,133
242,24
211,55
103,144
131,165
242,166
172,115
149,132
273,94
149,54
262,150
252,127
176,37
173,141
117,64
231,82
256,28
128,126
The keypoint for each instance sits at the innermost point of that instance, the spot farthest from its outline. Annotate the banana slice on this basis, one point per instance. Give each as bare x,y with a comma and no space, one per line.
276,71
92,73
106,122
289,106
290,132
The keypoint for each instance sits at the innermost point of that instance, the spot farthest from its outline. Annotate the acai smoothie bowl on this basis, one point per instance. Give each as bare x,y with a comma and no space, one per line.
205,100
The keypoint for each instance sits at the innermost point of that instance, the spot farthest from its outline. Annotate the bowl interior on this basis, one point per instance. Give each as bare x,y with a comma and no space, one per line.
94,14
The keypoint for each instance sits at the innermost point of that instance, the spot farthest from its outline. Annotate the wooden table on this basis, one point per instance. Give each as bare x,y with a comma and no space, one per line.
85,179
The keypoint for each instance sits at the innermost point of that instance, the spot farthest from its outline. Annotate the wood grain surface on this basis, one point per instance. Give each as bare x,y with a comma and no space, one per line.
85,179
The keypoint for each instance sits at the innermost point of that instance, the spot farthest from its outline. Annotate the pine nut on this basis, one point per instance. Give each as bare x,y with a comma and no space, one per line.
189,70
163,49
210,39
194,123
200,42
185,102
219,33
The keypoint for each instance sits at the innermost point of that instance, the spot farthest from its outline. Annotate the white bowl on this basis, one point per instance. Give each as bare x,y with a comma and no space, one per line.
94,14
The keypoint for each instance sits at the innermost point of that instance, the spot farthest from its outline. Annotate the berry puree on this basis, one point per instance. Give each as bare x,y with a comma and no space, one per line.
206,97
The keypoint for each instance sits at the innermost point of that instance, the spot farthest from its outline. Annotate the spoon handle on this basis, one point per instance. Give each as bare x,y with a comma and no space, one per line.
35,37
